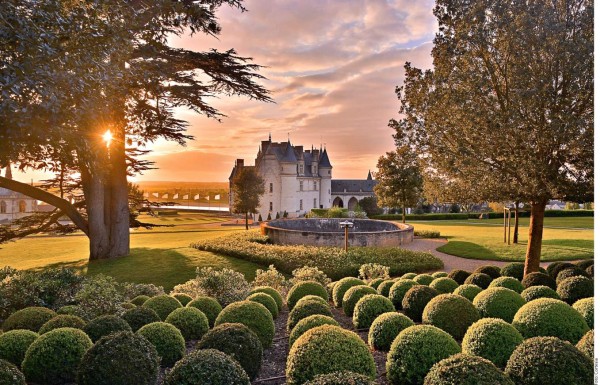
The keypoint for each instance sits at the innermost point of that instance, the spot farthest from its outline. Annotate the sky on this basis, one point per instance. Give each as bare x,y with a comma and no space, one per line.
332,68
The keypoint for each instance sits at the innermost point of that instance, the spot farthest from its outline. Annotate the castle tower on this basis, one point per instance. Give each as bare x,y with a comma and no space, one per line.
325,169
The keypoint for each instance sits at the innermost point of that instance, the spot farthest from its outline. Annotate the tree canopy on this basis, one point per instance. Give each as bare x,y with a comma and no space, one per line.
247,188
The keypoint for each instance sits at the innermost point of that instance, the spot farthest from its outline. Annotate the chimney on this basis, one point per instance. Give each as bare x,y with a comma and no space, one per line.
8,171
239,163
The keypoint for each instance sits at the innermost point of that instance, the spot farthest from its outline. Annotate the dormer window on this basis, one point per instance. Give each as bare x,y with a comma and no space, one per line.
301,169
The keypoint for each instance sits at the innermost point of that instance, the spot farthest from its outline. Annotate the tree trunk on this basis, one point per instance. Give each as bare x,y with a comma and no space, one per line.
534,244
403,214
119,200
246,220
516,233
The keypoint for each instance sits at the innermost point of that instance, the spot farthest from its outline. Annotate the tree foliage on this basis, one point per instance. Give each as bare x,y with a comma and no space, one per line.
247,188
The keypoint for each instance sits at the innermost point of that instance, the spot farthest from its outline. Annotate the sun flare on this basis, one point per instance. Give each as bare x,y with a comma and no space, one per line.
107,137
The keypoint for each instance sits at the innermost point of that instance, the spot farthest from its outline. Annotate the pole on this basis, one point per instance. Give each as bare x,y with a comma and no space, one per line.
346,239
504,225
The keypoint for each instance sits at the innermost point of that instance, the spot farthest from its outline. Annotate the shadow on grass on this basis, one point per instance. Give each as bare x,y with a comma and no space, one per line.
468,250
574,243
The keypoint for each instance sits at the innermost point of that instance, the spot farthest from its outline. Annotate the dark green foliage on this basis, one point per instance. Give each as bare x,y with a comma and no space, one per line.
272,292
312,298
408,276
341,378
14,344
498,302
183,299
539,279
341,287
386,328
552,318
573,289
444,285
305,288
385,286
30,318
209,306
121,358
549,360
553,270
237,341
535,292
415,351
509,283
68,309
398,290
10,374
305,309
207,367
468,291
513,269
327,349
167,340
480,279
267,301
590,270
191,322
585,263
452,313
459,275
440,274
492,271
54,357
307,323
376,282
586,344
139,300
492,339
466,369
140,316
571,272
163,305
105,325
423,279
63,321
128,305
353,295
585,307
254,315
415,300
368,308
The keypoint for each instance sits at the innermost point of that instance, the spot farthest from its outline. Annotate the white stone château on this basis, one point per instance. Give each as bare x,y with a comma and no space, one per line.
298,180
14,205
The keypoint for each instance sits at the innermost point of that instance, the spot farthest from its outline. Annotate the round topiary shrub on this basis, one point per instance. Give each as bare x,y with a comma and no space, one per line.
444,285
127,305
491,270
492,339
573,289
330,286
509,283
272,292
590,270
237,341
10,374
191,322
452,313
440,274
307,323
121,358
305,288
385,286
105,325
54,357
513,269
312,298
140,300
538,279
498,302
254,315
535,292
465,369
480,279
398,290
459,275
571,272
548,360
63,321
586,344
209,306
385,328
341,287
415,300
14,344
163,305
368,308
327,349
30,318
585,263
560,266
468,291
167,340
68,309
208,367
376,282
140,316
183,299
267,301
423,279
305,309
550,317
585,307
408,276
353,295
341,378
415,350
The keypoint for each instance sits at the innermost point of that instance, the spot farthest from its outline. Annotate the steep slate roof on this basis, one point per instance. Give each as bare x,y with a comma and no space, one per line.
352,186
324,161
289,155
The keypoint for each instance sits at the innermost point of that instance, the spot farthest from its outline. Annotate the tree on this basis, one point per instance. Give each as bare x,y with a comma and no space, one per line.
369,204
72,71
508,106
399,179
247,188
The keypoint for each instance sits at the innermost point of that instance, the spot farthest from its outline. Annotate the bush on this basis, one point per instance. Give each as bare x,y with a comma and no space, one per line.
139,300
14,344
408,276
444,285
571,272
353,295
307,323
586,344
68,310
585,307
191,322
492,339
427,233
127,305
30,318
491,270
513,269
267,301
415,300
385,328
509,283
208,367
375,283
535,292
370,271
554,269
465,369
105,325
305,309
183,299
99,295
440,274
573,289
341,287
224,285
254,315
327,349
341,378
62,321
10,374
590,270
552,318
54,357
498,302
452,313
459,275
330,288
163,305
132,290
304,288
585,263
167,340
415,350
313,274
398,290
368,308
423,279
270,291
468,291
312,298
209,306
270,278
548,360
480,279
140,316
538,279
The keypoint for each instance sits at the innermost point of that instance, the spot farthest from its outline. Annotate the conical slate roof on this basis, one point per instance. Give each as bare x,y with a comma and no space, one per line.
290,155
324,161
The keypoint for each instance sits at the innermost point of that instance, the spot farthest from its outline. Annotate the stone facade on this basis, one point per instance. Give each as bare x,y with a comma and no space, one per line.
14,205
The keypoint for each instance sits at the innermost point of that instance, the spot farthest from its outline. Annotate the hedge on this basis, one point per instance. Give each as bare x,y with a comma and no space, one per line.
452,313
464,216
466,369
252,314
386,328
493,339
207,367
167,340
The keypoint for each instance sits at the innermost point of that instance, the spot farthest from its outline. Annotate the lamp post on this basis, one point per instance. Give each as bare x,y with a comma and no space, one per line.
346,225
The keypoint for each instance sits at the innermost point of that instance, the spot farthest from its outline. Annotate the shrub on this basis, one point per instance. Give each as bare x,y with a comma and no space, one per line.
368,308
459,275
254,315
427,234
127,305
132,290
312,298
237,341
535,292
552,318
307,323
270,291
224,285
167,340
585,307
492,271
415,300
480,279
267,301
140,316
353,295
105,325
341,378
54,357
560,266
30,318
452,313
63,321
68,310
10,374
571,272
305,309
440,274
139,300
498,302
208,367
586,344
370,271
270,278
191,322
492,339
313,274
341,287
304,288
538,279
585,263
183,299
468,291
99,295
385,328
507,282
513,269
14,344
415,350
408,276
330,288
209,306
163,305
548,360
465,369
327,349
444,285
573,289
590,270
423,279
398,290
375,283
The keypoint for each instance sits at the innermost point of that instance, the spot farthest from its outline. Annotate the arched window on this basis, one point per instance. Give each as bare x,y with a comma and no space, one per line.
22,206
2,207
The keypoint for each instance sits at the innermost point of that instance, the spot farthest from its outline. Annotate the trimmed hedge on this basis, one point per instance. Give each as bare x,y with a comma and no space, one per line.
270,291
491,270
208,367
554,269
492,339
386,328
191,322
498,302
492,215
585,307
590,270
167,340
105,325
408,275
342,287
385,286
163,305
312,298
415,300
571,272
209,306
375,283
140,316
459,275
444,285
539,279
307,323
30,318
465,369
341,378
68,309
183,299
353,295
513,269
585,263
267,301
305,288
10,374
305,309
586,344
468,291
423,279
398,290
480,279
139,300
452,313
439,274
14,344
254,315
535,292
573,289
509,283
63,321
368,308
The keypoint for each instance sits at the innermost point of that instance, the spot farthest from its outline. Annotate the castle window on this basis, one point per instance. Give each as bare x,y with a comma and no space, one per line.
270,187
315,185
270,206
329,172
301,186
301,169
22,206
315,203
2,207
300,204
